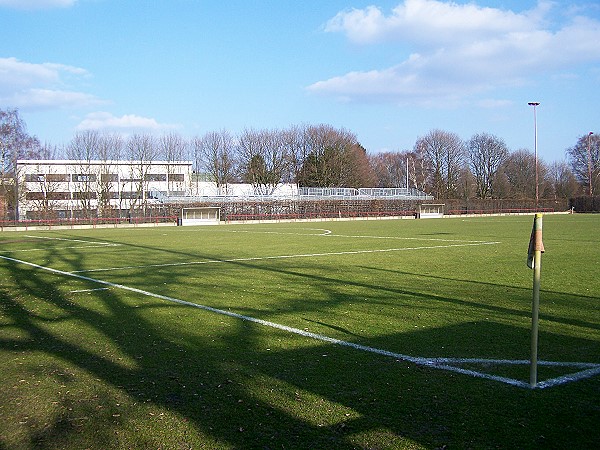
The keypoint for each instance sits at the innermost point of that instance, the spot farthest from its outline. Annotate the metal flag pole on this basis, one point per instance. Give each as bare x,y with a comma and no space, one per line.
534,261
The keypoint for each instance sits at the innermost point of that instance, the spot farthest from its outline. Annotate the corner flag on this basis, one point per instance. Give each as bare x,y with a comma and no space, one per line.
535,241
534,261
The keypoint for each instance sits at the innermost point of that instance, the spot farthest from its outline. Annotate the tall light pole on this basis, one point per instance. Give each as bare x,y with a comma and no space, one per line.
589,155
535,105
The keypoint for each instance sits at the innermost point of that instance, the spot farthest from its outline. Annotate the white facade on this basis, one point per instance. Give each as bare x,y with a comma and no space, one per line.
242,190
71,189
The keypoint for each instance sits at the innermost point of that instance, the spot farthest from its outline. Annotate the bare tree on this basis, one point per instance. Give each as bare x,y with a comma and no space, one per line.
173,148
84,148
584,159
196,155
390,169
110,150
142,151
15,144
564,183
419,173
216,154
518,172
444,153
486,155
292,140
264,159
50,188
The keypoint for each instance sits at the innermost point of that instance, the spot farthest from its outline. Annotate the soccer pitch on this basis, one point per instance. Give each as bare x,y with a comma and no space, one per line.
355,334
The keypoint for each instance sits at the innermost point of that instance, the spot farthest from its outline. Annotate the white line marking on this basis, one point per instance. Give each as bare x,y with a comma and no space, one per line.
66,239
331,234
303,255
89,290
92,244
435,363
324,232
59,248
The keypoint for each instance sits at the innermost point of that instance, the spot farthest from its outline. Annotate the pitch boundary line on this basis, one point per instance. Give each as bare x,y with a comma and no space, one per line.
435,363
301,255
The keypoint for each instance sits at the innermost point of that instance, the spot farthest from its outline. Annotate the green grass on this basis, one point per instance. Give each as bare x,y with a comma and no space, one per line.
113,368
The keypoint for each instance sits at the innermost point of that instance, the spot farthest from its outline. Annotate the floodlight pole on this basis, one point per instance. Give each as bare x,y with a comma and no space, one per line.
535,105
589,155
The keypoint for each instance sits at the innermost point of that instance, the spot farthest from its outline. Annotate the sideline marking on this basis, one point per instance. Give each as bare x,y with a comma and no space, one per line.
302,255
435,363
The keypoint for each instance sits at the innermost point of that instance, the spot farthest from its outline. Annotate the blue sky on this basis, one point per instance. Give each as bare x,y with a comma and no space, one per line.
389,71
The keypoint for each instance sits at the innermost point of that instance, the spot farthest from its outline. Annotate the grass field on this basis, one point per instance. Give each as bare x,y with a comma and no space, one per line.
101,347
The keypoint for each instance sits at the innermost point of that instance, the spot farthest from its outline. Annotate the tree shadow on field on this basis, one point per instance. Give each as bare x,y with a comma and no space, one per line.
124,371
185,374
519,294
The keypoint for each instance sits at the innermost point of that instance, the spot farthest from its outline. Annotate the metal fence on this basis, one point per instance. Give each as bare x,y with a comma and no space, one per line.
364,193
305,193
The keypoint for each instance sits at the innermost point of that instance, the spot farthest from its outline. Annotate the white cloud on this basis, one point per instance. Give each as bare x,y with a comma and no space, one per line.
457,50
431,21
38,99
41,86
37,4
128,123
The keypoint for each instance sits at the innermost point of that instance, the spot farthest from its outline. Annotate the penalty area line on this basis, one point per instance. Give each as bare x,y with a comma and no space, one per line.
435,363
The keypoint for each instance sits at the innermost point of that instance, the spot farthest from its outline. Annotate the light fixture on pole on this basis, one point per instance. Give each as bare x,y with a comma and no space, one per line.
589,155
535,105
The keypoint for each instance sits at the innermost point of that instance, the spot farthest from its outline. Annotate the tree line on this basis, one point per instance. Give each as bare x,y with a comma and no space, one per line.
440,162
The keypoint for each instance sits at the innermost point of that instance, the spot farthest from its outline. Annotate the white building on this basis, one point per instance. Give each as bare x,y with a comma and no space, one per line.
65,189
74,189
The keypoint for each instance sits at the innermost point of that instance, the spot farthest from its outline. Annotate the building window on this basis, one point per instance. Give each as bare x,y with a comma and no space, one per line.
33,177
84,195
34,196
63,214
176,177
58,196
57,177
84,214
110,195
131,195
109,177
155,177
90,177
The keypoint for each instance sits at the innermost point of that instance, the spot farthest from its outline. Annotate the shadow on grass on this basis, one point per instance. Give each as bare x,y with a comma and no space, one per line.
227,383
521,293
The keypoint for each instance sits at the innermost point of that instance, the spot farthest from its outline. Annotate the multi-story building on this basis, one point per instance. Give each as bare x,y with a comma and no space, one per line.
72,189
76,189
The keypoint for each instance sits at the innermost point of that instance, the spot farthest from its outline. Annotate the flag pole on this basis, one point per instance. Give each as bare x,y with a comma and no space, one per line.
536,248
